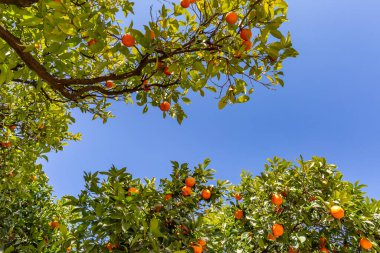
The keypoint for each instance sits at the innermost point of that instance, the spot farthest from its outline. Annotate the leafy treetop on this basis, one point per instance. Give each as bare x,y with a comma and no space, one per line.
68,50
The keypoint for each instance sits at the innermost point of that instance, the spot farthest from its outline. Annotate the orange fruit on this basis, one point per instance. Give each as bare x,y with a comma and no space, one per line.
165,106
167,72
12,127
337,212
197,248
168,196
202,243
246,34
91,42
206,194
68,249
277,230
186,190
277,199
133,191
128,40
293,250
185,3
33,178
271,237
239,214
322,242
365,244
6,144
152,35
192,1
54,224
110,84
247,45
324,250
190,181
238,196
231,18
109,246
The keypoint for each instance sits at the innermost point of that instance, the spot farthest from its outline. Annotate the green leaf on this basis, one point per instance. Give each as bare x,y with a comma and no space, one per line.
223,102
243,99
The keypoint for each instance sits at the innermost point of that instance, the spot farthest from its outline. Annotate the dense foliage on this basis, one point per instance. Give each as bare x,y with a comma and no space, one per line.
64,54
79,53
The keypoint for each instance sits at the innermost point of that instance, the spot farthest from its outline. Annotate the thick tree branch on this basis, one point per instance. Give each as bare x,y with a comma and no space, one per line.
62,85
19,3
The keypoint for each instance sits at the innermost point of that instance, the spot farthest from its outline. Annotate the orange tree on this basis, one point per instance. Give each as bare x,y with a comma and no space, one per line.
123,214
63,54
77,52
30,126
304,208
287,208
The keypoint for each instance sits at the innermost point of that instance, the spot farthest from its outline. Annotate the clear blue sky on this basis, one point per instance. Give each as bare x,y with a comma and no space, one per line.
329,107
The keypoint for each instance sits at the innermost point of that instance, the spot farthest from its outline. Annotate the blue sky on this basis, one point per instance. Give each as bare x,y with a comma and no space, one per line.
329,107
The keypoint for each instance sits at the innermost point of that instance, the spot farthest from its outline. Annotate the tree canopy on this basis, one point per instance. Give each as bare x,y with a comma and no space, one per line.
68,50
56,55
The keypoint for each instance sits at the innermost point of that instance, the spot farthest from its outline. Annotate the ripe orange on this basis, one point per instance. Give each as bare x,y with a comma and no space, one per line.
12,127
246,34
110,84
238,196
33,178
168,196
337,212
91,42
128,40
239,214
68,249
231,18
167,72
197,248
54,224
109,246
247,45
165,106
202,243
277,230
271,237
322,242
185,3
365,244
190,181
133,191
293,250
206,194
6,144
276,199
324,250
152,35
186,190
